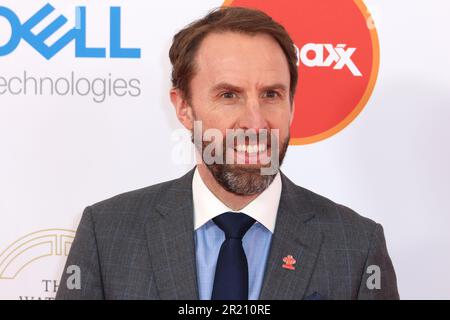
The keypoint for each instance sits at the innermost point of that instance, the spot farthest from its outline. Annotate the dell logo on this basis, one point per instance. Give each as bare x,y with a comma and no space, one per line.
78,34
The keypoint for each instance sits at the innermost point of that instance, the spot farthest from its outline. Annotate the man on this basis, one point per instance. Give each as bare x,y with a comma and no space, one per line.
233,230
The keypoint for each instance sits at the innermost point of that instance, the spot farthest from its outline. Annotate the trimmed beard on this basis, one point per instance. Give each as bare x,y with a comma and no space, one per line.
242,180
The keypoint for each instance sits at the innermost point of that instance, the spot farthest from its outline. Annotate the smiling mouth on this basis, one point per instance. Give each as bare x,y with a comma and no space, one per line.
256,154
251,149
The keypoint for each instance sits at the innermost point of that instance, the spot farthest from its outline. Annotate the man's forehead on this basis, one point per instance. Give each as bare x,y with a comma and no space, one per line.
231,45
230,55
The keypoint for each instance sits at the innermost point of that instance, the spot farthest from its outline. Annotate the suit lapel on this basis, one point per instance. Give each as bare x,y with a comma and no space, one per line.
295,234
170,236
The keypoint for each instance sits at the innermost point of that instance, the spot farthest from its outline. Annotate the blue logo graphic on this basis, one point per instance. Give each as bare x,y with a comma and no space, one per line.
78,33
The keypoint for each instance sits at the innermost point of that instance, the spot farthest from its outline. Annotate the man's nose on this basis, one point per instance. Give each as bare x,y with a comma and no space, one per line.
252,116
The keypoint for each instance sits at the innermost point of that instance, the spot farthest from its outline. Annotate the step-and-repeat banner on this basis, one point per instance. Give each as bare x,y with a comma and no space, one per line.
85,114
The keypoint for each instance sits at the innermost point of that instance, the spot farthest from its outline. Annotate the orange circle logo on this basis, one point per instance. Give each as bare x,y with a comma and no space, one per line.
339,57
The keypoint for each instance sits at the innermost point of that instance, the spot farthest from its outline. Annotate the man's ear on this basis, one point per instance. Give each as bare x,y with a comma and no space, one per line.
182,108
292,113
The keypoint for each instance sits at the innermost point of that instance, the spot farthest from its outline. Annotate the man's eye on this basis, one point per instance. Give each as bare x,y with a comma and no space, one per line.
228,95
271,94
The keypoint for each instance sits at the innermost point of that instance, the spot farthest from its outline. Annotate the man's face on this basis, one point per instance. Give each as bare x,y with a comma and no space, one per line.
242,82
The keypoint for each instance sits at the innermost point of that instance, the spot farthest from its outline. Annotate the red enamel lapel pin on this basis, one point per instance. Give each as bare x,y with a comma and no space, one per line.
289,262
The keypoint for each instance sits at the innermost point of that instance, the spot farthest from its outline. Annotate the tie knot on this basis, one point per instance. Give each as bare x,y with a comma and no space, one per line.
234,224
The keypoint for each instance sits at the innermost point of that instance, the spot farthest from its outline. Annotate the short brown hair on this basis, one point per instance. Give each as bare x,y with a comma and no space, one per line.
237,19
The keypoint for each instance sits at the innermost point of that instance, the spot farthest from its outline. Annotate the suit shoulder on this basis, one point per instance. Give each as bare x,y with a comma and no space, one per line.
342,227
333,213
130,202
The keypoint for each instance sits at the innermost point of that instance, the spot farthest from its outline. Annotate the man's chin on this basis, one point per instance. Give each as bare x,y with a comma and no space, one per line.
241,179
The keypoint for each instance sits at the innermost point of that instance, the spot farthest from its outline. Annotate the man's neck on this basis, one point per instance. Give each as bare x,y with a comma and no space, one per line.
230,199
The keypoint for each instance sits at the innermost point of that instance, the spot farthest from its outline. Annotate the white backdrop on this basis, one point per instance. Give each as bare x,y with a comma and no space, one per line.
60,153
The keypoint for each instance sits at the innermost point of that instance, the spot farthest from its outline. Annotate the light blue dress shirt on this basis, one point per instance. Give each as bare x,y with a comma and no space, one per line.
209,237
208,240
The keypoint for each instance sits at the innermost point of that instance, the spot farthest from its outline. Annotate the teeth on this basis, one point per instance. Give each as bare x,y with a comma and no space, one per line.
262,147
251,148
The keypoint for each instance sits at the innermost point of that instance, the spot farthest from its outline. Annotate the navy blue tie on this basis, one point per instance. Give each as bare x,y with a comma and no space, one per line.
231,277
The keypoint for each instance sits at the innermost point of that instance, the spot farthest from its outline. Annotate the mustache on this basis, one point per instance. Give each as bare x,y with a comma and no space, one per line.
235,138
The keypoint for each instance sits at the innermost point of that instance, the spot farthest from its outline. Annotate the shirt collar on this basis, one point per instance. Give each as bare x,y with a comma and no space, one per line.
263,208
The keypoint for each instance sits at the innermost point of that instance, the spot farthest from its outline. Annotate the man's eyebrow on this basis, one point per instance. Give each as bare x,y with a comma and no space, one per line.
276,86
226,86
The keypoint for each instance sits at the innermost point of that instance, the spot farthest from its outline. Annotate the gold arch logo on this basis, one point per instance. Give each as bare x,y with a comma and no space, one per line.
32,247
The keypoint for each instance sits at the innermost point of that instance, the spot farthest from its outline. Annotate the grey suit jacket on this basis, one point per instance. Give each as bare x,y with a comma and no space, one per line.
140,245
